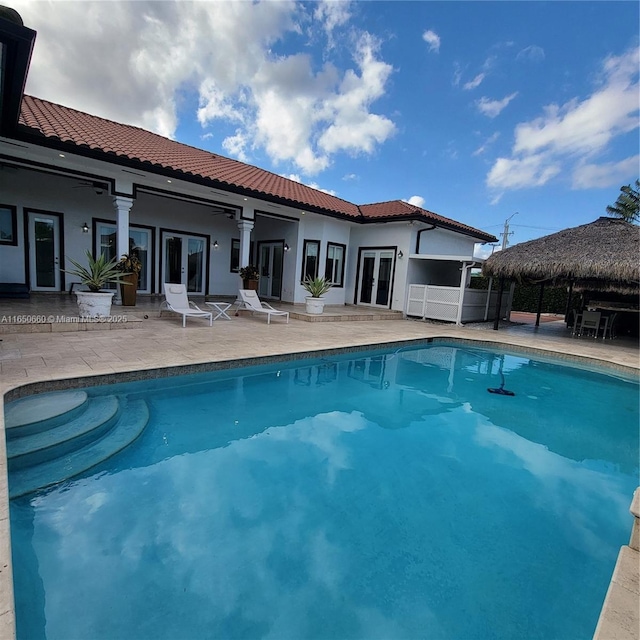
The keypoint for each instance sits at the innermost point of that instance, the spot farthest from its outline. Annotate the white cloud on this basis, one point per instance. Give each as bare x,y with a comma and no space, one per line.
483,251
489,141
333,14
457,75
349,176
432,39
134,62
235,146
608,174
472,84
569,138
352,127
519,173
533,53
493,108
416,201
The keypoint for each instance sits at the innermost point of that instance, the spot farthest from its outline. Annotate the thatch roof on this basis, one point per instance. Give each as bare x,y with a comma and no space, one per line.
603,255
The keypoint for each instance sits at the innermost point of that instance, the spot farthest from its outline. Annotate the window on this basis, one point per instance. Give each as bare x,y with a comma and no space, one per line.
310,255
8,224
234,262
234,265
334,266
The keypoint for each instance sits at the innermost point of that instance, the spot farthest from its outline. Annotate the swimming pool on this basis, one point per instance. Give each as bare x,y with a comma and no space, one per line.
363,495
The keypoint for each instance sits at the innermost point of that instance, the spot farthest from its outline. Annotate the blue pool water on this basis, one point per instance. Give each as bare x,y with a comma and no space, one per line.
367,495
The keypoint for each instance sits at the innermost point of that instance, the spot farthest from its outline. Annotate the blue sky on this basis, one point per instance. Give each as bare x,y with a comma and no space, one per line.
474,110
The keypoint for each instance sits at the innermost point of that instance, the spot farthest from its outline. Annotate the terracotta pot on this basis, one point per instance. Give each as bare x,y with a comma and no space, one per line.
128,291
250,284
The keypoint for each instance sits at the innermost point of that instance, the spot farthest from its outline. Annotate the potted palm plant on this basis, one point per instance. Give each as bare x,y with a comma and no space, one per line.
129,266
250,276
316,287
98,273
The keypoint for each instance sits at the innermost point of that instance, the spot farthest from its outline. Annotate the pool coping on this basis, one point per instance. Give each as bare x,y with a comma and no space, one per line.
21,390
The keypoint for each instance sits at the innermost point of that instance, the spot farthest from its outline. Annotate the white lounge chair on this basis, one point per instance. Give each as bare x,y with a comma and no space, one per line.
251,302
176,300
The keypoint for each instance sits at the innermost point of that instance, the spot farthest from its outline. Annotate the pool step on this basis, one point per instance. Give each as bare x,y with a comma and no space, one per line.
42,412
99,416
86,448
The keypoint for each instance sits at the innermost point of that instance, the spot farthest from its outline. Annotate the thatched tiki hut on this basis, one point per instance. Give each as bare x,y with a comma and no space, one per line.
601,256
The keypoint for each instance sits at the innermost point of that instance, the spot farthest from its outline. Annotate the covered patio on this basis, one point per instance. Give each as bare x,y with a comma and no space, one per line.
600,261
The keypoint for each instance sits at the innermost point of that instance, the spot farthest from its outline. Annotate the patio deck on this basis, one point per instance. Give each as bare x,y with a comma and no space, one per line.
68,351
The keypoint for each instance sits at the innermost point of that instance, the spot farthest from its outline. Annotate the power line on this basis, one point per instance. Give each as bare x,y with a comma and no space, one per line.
526,226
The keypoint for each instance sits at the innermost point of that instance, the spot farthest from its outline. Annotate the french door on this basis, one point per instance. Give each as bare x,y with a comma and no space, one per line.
270,266
376,270
43,231
184,260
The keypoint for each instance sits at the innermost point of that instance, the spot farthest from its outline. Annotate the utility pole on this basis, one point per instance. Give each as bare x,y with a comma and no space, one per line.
506,233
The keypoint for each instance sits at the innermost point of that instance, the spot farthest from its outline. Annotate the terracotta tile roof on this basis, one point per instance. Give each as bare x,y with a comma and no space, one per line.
150,151
400,208
142,147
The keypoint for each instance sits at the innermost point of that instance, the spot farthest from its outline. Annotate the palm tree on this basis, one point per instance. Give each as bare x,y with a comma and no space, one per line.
627,206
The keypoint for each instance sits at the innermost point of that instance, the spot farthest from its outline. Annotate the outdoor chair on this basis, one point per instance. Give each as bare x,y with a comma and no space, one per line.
591,322
250,300
176,300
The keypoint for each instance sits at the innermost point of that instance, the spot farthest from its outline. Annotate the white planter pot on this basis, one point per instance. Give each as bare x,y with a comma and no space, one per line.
314,306
94,305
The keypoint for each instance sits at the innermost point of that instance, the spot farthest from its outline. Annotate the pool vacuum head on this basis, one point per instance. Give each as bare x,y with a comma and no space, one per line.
501,391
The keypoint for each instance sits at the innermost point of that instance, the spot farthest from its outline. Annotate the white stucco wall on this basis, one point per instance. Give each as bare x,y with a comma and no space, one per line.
441,242
396,235
325,230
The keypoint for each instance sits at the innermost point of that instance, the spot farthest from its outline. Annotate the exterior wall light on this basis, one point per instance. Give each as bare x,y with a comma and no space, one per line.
215,244
400,255
85,228
286,247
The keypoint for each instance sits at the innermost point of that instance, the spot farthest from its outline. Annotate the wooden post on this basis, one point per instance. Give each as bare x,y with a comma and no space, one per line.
569,300
539,304
496,322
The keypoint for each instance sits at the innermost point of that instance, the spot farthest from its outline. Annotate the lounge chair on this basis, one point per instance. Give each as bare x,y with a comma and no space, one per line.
176,300
250,300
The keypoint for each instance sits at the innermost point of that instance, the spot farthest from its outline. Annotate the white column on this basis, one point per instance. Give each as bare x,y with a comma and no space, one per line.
486,307
245,226
463,284
122,206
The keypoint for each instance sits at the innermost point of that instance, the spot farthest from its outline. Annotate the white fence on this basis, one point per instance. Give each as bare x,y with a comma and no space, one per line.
441,303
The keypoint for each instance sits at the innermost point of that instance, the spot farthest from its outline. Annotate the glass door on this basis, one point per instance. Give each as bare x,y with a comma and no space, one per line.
270,265
183,260
376,270
44,251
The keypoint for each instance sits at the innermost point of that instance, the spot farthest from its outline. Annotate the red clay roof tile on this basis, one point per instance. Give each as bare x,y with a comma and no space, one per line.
132,144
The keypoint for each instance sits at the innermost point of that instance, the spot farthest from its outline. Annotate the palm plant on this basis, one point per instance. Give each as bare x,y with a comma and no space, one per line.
98,273
627,206
317,287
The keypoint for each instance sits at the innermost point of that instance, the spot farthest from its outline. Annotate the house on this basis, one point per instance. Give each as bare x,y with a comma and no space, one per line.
71,181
